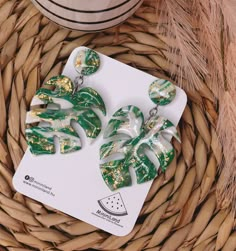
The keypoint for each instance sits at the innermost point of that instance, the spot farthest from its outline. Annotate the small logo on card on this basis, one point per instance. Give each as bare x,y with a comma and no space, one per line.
28,178
113,205
111,208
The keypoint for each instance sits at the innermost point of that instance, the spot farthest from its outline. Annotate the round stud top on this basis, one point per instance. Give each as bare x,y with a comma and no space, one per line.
162,92
87,62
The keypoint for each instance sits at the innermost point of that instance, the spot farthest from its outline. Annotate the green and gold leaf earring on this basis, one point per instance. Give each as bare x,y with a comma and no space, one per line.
131,142
65,104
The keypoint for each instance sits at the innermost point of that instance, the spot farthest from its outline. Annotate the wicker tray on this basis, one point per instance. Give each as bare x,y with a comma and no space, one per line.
180,212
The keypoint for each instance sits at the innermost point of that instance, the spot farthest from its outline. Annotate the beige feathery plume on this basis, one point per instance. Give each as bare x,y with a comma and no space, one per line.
228,8
208,18
226,187
216,18
175,21
230,67
205,32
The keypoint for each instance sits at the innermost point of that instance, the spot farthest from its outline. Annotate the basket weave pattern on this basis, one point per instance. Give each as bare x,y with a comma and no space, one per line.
180,211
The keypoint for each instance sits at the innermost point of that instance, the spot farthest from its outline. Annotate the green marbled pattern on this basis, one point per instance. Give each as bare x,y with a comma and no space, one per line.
162,92
57,121
128,139
87,62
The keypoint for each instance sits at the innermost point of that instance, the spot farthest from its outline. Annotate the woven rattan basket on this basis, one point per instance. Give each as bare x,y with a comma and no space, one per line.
180,211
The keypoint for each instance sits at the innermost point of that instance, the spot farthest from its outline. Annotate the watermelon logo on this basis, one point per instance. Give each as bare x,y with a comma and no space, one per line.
113,205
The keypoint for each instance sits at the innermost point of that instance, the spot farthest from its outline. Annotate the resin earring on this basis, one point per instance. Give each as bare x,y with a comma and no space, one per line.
66,104
131,142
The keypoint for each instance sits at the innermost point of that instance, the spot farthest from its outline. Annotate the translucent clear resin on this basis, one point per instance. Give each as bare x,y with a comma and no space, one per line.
162,92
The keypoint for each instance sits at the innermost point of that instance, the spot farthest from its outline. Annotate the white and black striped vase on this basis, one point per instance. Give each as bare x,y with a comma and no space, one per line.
88,15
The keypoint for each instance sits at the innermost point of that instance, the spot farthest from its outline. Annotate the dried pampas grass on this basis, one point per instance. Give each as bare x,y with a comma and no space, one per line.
175,21
205,47
226,191
207,15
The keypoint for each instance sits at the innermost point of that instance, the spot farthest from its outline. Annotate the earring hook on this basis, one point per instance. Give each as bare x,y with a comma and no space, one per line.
79,80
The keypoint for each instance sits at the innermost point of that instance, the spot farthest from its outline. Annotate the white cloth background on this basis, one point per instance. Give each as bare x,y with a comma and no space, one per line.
88,15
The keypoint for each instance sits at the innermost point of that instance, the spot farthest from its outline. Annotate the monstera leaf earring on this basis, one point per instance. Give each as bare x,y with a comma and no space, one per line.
130,142
66,104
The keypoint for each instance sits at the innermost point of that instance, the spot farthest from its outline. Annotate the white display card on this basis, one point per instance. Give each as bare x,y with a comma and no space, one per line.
72,183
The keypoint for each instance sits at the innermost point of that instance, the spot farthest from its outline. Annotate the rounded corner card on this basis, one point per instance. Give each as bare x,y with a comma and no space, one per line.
72,183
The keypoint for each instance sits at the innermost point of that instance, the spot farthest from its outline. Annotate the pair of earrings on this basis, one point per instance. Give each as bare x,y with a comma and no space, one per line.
129,140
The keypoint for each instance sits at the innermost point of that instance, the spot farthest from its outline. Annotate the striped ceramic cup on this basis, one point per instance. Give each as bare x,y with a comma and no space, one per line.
87,15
